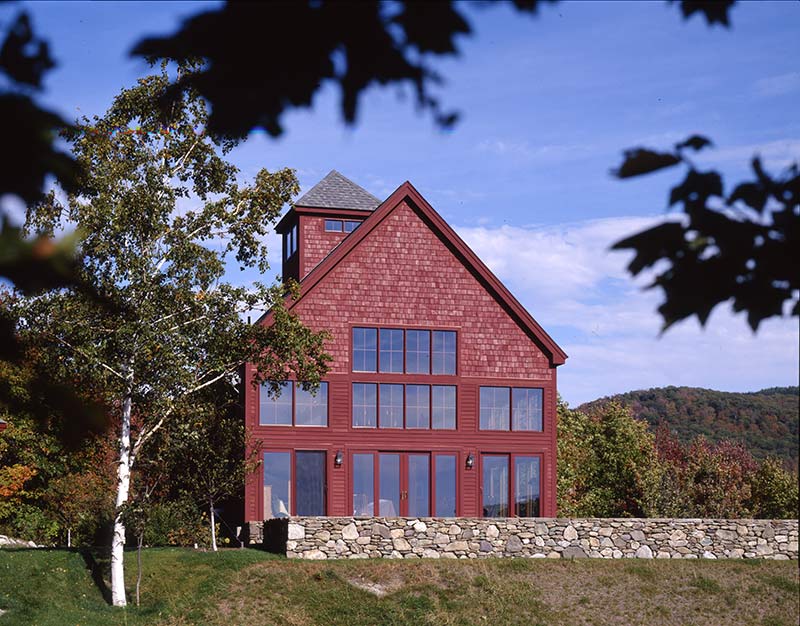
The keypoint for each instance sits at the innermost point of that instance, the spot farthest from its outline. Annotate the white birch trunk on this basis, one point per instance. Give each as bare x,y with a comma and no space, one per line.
213,529
69,538
123,488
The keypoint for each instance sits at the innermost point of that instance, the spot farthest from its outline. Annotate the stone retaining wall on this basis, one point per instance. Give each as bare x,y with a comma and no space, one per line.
361,538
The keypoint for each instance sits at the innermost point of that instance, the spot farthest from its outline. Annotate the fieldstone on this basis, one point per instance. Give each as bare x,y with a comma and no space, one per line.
662,555
323,535
396,532
741,530
791,546
400,544
736,553
350,532
457,546
726,535
570,534
362,541
454,529
485,546
315,555
340,547
644,552
513,544
430,554
492,531
616,554
605,532
381,530
420,527
573,552
554,555
538,541
441,539
768,533
295,531
637,535
709,555
291,546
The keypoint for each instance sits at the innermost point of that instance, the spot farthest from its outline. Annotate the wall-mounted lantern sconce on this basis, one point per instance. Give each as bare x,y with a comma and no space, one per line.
337,460
470,460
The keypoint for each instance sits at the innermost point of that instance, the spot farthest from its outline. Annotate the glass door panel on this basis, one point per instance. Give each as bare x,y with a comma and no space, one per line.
389,485
445,485
310,483
363,485
419,485
526,486
277,484
495,486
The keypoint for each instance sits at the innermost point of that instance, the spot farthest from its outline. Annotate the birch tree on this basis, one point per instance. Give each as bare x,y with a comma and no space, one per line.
162,217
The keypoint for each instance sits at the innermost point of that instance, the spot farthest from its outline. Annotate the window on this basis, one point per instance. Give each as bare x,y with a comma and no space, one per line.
365,355
391,350
364,402
418,408
310,409
524,405
389,485
294,405
401,351
445,485
494,408
526,409
391,403
526,486
444,352
419,485
277,484
363,485
307,477
391,406
333,226
443,406
497,485
350,226
290,242
276,411
418,351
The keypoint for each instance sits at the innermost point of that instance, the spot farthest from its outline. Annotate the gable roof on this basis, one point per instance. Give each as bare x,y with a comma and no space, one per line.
337,192
407,192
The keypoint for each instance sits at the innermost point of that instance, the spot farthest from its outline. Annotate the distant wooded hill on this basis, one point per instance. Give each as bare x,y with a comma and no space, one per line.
765,421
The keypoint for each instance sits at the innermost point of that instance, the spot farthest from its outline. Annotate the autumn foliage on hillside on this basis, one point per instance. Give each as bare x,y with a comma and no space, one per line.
765,421
611,465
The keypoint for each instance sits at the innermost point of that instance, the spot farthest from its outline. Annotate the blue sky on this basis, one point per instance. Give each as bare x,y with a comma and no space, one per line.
548,105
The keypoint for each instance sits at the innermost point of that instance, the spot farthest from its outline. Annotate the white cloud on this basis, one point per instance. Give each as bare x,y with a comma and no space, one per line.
581,293
774,154
778,85
543,152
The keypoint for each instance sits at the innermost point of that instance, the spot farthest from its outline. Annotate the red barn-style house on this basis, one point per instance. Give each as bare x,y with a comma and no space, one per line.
441,398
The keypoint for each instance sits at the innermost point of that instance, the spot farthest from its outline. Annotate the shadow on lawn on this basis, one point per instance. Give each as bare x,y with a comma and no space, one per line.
96,568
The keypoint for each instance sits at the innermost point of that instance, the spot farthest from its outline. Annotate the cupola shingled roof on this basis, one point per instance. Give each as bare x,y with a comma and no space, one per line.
337,192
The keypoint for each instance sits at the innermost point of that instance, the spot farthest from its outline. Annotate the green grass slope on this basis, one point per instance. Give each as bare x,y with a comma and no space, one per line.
765,421
238,587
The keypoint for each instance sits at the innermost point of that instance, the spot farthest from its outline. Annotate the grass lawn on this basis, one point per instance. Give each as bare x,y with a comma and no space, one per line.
179,587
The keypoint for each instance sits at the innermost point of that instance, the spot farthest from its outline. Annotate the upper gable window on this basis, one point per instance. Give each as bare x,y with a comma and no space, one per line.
418,351
398,351
444,352
333,226
365,353
391,350
350,225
